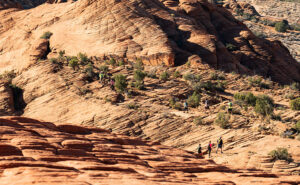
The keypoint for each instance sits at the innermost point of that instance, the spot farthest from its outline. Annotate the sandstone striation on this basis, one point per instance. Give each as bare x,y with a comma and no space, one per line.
36,152
159,33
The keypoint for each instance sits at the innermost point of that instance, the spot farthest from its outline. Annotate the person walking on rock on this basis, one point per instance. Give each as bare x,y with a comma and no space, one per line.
112,84
206,104
220,144
209,147
101,76
185,107
199,149
229,107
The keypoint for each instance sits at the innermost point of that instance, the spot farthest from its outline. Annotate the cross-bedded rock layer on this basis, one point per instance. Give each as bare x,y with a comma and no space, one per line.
35,152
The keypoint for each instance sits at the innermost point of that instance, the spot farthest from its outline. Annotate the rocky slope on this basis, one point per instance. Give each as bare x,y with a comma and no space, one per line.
66,96
35,152
159,34
288,10
256,21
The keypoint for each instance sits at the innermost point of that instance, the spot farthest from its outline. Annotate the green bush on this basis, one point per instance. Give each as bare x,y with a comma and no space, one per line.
281,26
276,117
297,126
61,53
89,70
112,62
216,76
53,60
176,74
281,154
120,82
295,27
231,47
222,120
132,106
264,105
295,104
220,86
295,86
139,85
258,82
194,100
164,76
172,102
104,69
198,121
178,106
73,63
83,59
247,98
192,78
46,35
139,75
121,63
139,65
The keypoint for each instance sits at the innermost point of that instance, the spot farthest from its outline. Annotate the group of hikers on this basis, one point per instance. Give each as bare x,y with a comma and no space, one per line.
209,148
102,78
206,106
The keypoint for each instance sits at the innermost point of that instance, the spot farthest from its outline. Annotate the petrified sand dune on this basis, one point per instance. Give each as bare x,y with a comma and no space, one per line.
35,152
167,32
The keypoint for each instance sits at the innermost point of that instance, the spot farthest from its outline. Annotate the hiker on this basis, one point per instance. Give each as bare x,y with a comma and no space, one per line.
101,76
206,104
209,147
112,84
185,107
229,107
220,144
200,150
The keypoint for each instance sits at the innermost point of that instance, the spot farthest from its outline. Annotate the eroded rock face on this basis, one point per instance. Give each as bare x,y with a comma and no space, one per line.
36,152
159,33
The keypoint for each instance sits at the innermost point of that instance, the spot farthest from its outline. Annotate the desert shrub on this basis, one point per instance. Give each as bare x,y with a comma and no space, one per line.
276,117
89,70
247,98
295,86
112,62
46,35
295,26
268,22
172,102
222,120
192,78
290,96
297,126
176,74
61,53
280,154
281,26
132,106
83,59
259,34
198,121
231,47
152,74
194,100
74,63
104,69
139,65
295,104
139,75
264,105
216,76
53,60
258,82
209,86
139,85
121,63
120,82
220,86
8,75
164,76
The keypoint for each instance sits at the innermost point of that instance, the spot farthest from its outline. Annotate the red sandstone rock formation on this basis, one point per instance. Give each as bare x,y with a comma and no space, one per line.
160,33
35,152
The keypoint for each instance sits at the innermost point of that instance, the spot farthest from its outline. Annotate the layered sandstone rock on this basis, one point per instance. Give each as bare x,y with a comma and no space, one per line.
36,152
159,33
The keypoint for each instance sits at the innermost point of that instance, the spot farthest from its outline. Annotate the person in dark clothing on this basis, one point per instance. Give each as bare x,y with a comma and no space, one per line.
199,150
209,147
220,145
